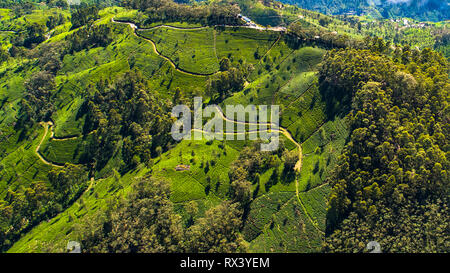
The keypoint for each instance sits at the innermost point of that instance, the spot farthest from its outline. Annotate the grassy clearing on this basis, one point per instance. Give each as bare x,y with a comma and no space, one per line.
261,212
304,115
63,151
294,88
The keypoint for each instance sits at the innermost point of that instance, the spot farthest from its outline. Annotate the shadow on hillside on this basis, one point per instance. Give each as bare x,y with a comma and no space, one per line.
336,104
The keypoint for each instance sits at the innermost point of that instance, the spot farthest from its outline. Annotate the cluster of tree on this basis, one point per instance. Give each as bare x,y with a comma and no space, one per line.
33,35
442,37
221,12
414,34
88,37
19,9
68,183
230,79
391,183
83,16
245,171
146,222
55,20
36,102
25,208
58,3
17,209
4,55
126,111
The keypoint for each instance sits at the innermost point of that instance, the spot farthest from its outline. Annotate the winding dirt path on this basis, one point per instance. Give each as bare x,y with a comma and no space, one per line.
49,126
277,128
46,126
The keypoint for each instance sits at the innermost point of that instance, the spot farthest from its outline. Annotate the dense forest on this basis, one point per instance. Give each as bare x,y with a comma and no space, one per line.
146,222
392,176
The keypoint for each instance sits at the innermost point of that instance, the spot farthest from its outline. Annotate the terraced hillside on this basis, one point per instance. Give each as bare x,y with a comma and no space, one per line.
86,148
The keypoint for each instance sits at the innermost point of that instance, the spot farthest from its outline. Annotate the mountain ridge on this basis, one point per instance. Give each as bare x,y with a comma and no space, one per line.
423,10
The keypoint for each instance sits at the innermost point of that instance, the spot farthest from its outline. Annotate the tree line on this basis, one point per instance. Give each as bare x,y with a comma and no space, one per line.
391,183
22,209
222,12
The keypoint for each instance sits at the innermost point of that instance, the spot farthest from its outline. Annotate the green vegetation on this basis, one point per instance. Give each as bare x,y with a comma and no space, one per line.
431,10
86,152
395,160
191,50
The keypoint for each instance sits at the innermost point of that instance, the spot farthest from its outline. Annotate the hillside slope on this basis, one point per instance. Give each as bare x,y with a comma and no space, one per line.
86,75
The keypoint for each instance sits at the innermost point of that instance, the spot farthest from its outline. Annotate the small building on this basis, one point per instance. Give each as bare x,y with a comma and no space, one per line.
246,19
181,167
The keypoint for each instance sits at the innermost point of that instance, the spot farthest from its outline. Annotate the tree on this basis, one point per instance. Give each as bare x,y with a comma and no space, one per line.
218,231
50,56
159,151
290,159
242,192
38,93
34,35
192,210
224,83
323,22
4,55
